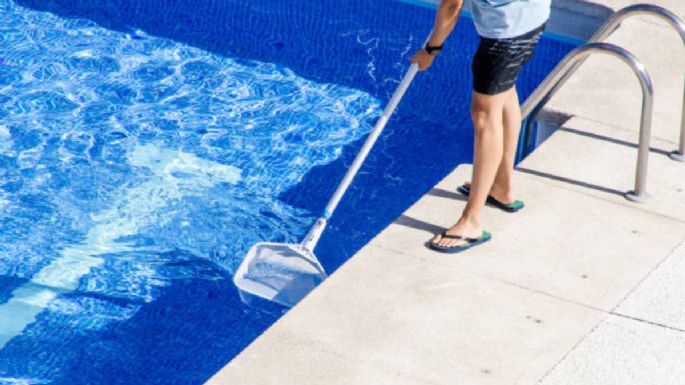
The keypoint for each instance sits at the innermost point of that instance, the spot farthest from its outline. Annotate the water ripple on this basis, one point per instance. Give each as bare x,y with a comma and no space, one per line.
125,159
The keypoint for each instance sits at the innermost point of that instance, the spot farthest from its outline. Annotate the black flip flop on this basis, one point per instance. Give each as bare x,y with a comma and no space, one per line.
510,208
470,242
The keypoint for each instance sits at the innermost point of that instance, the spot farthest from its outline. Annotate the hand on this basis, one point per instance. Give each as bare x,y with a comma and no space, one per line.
423,59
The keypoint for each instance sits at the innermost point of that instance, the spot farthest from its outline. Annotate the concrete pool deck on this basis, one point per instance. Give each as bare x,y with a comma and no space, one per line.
581,287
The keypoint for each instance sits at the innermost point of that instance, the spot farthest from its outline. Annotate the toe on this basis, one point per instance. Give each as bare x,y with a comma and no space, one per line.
448,242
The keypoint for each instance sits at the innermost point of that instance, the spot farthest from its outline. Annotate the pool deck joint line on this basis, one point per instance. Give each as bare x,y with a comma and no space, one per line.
580,287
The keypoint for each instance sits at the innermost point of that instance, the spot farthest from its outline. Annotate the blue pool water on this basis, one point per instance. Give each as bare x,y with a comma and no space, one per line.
145,145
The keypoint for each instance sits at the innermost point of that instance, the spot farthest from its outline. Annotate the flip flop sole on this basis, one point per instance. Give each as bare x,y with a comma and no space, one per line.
510,208
458,249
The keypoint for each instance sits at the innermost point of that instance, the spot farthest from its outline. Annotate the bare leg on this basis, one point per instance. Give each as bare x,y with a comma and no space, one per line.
502,188
487,114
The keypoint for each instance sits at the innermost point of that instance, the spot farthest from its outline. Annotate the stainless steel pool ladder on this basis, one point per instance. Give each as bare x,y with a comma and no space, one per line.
534,104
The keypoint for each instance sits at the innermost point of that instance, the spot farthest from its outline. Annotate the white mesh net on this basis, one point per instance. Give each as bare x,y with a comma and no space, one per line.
279,272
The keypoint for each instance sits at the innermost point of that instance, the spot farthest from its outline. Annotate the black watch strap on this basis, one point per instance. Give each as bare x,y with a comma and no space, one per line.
433,50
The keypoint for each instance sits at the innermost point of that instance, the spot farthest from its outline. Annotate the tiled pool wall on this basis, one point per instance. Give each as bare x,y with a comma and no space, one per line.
573,21
359,44
363,45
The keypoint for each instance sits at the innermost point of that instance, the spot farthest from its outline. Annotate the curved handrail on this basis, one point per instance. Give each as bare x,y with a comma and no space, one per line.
610,26
615,20
674,21
565,70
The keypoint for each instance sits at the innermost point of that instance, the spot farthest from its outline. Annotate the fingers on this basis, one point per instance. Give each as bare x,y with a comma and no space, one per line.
423,59
422,66
416,60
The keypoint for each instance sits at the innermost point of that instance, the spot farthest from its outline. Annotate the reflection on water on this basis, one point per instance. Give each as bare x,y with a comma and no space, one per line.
130,163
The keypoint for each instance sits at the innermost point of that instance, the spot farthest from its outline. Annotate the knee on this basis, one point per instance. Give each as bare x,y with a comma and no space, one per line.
483,120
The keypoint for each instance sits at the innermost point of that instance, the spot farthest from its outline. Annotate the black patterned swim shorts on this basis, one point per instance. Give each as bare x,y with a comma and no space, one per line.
498,62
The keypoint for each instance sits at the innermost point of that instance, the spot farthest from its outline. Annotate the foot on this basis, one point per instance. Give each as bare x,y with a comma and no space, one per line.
464,228
504,195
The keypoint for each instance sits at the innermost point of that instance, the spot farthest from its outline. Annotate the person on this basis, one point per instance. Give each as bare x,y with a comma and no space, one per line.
509,30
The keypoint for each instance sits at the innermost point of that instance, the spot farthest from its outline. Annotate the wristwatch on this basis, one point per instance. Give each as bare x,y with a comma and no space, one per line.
433,51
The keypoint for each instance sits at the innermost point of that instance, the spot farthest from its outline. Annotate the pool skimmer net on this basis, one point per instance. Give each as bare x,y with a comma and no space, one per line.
285,273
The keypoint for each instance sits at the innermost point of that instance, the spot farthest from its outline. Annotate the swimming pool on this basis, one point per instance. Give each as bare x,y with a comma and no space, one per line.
145,145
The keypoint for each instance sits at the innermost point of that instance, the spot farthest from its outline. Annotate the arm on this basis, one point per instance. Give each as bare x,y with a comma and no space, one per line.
446,18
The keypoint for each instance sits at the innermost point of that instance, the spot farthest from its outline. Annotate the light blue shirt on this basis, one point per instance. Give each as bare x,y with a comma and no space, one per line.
501,19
